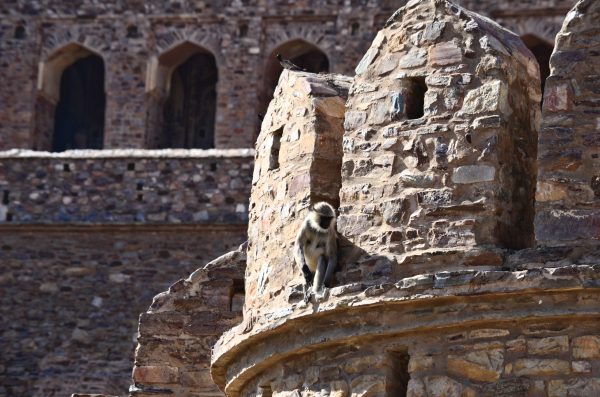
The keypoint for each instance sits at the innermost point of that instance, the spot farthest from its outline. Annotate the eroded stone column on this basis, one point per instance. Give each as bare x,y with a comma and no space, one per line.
298,162
568,187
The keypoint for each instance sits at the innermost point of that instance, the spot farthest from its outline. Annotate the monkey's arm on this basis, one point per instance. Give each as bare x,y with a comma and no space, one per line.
332,260
301,259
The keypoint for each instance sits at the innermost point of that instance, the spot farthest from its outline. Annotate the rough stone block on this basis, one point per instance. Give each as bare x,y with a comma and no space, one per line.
490,97
548,346
445,54
154,374
473,174
541,367
482,366
586,347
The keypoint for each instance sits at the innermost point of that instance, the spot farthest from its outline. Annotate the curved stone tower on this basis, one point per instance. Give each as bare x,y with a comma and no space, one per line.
442,290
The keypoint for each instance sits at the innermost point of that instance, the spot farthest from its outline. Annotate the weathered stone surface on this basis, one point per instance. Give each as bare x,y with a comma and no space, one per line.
581,366
490,97
482,366
155,374
444,53
131,37
442,386
586,347
298,172
541,367
126,187
473,174
567,207
548,346
173,352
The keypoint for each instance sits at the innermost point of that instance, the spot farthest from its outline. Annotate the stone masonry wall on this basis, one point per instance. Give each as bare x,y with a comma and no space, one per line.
125,187
568,189
130,36
71,298
451,296
509,360
440,142
298,163
178,331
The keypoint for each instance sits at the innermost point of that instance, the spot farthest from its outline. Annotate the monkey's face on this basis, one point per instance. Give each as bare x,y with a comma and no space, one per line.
325,221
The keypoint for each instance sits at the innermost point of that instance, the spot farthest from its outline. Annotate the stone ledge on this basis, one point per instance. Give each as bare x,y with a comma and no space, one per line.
127,153
426,303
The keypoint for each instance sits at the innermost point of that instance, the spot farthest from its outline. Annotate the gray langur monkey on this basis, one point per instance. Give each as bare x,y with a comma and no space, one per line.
315,249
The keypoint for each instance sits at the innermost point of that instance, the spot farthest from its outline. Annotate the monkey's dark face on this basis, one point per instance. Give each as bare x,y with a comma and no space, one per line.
325,221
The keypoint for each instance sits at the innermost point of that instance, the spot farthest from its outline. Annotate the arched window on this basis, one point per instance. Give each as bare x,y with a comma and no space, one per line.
301,53
70,105
185,93
542,52
79,115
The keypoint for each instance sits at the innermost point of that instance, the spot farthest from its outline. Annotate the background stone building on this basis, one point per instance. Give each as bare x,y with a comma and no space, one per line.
88,237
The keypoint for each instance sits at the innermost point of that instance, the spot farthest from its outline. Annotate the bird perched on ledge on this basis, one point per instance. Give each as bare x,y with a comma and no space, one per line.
289,65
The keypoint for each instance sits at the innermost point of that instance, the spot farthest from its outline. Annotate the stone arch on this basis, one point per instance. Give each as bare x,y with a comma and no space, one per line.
544,28
50,84
185,77
542,50
301,52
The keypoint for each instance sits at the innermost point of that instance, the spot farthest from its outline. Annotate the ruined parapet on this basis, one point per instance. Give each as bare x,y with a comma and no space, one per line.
568,188
443,195
298,161
440,144
180,327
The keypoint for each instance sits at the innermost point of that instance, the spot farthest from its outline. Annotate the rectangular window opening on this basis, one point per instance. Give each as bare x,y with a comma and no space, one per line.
265,391
275,148
398,376
415,100
5,198
237,295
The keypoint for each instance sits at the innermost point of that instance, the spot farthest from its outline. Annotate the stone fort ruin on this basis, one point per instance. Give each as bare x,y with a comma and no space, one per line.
468,216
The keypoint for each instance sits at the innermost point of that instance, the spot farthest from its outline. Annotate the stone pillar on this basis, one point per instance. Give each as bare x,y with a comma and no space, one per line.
568,186
298,161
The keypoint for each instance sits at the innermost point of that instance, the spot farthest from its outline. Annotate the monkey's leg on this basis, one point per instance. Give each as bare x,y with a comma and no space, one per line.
308,280
331,266
320,275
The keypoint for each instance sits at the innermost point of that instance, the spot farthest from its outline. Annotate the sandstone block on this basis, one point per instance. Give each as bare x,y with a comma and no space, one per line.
581,366
420,363
442,386
541,367
482,366
488,333
473,174
586,347
490,97
366,61
415,388
556,388
445,54
415,57
154,374
548,191
547,346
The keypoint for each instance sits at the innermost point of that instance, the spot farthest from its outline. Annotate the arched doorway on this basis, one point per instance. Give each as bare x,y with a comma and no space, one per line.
542,52
301,53
70,102
183,98
189,111
79,114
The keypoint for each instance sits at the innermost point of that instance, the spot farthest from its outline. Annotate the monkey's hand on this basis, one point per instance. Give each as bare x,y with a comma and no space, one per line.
307,293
